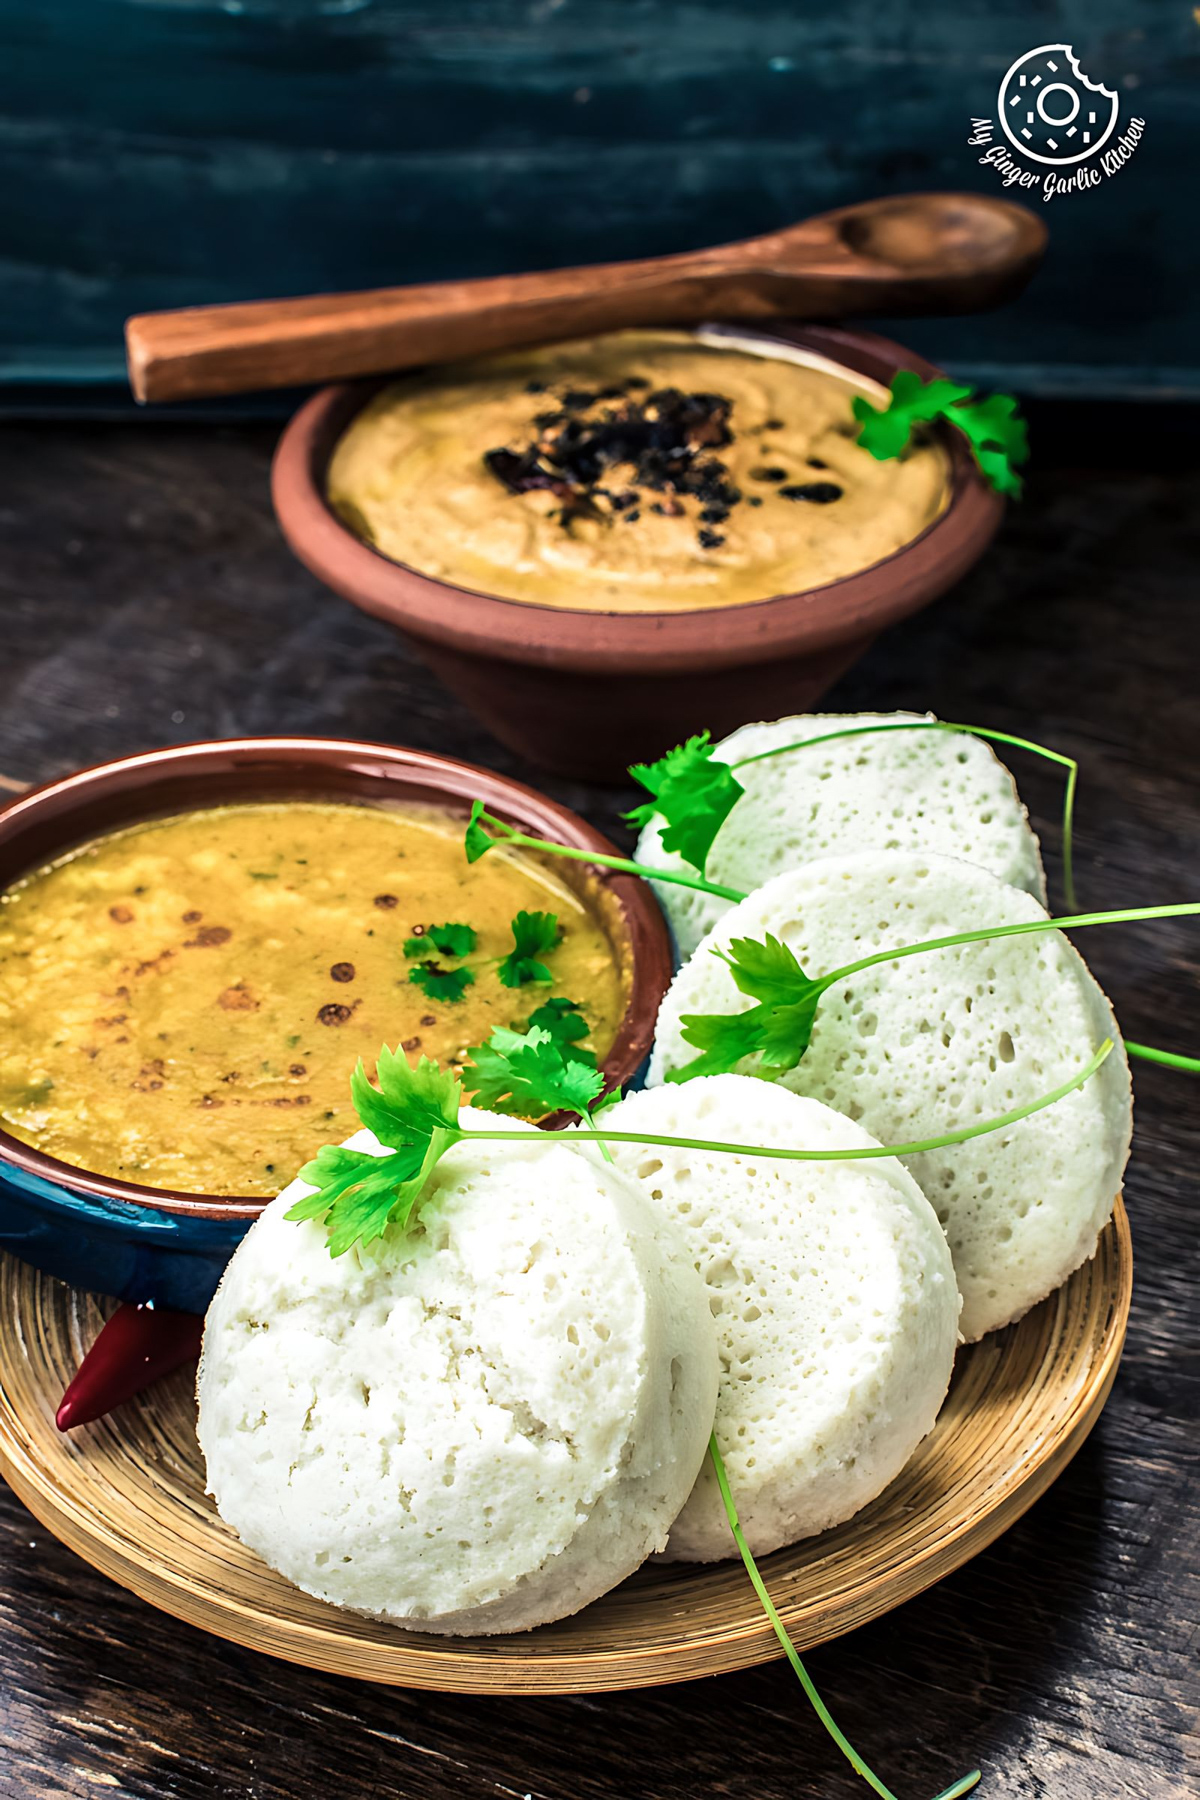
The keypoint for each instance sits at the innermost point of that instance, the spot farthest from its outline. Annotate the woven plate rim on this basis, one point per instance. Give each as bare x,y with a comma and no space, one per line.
126,1495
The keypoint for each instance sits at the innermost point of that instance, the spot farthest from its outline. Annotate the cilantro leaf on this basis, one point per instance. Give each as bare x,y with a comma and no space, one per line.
694,794
359,1195
785,1032
778,1030
767,971
415,1113
998,438
723,1040
453,940
534,934
527,1073
437,983
420,1098
450,940
477,842
564,1021
562,1018
886,431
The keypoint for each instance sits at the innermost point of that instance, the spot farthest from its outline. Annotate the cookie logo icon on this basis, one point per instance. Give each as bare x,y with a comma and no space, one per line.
1050,111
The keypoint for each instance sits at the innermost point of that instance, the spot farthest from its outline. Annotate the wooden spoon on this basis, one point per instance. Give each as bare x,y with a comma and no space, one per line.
916,253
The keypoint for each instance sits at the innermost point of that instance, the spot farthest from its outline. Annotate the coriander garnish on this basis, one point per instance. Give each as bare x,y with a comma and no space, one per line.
694,800
484,831
779,1028
563,1019
530,1074
693,792
436,983
449,940
535,934
996,433
415,1113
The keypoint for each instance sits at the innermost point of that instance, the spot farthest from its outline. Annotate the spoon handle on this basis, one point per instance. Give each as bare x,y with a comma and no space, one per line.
203,350
816,270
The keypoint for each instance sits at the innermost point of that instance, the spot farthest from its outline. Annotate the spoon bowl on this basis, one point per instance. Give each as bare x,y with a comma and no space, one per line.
934,234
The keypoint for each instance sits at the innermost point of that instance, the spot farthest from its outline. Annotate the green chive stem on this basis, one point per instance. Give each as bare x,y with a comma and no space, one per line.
789,1649
1070,922
621,863
962,1786
1168,1058
979,731
1068,835
866,1153
587,1119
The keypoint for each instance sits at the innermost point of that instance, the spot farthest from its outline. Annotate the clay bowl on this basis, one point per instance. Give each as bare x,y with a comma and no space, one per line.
142,1243
587,693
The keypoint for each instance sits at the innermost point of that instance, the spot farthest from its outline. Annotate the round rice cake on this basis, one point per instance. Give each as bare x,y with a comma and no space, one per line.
834,1297
478,1426
916,1048
892,790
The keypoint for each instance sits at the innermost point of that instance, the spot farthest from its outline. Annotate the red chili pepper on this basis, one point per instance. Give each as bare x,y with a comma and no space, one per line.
138,1345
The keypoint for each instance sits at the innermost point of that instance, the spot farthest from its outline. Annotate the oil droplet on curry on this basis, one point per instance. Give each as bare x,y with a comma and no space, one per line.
182,1003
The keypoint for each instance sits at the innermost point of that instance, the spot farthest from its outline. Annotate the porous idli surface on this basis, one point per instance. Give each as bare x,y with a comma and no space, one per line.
834,1298
920,1047
478,1426
893,790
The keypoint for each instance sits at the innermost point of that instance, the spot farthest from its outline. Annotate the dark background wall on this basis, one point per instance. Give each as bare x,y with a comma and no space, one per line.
161,152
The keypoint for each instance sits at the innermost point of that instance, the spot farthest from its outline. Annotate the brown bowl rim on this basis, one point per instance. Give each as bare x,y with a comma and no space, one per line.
66,801
815,619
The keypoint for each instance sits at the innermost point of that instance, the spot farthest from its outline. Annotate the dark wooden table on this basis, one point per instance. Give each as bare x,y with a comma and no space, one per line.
147,599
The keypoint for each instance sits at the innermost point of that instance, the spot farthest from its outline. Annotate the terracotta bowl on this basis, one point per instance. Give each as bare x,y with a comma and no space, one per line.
142,1243
587,693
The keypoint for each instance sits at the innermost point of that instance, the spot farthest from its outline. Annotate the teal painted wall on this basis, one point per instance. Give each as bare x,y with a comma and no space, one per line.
162,152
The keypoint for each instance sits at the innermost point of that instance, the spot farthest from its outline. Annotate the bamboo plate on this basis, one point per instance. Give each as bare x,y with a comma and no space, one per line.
127,1494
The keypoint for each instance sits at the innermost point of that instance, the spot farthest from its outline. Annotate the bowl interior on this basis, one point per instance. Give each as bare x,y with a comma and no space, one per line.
51,821
866,360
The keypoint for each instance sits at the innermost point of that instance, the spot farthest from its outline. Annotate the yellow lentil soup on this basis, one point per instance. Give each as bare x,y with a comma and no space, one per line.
182,1002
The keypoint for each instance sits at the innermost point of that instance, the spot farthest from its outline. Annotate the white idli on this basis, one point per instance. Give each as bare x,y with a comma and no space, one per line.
478,1426
834,1297
893,790
920,1047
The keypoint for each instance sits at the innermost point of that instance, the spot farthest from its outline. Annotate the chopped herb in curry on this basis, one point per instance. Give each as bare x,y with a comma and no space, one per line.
182,1003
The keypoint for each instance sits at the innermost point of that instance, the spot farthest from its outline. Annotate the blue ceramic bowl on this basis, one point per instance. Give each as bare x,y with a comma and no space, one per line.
135,1250
154,1244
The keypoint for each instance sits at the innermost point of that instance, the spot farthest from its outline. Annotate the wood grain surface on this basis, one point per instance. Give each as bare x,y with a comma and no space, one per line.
145,598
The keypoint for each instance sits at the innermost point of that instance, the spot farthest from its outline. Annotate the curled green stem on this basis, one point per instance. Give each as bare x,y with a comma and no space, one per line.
623,864
1170,1059
861,1153
818,985
962,1786
994,737
1124,915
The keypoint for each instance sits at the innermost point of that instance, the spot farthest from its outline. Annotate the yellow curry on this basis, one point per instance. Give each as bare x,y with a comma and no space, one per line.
643,471
182,1003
